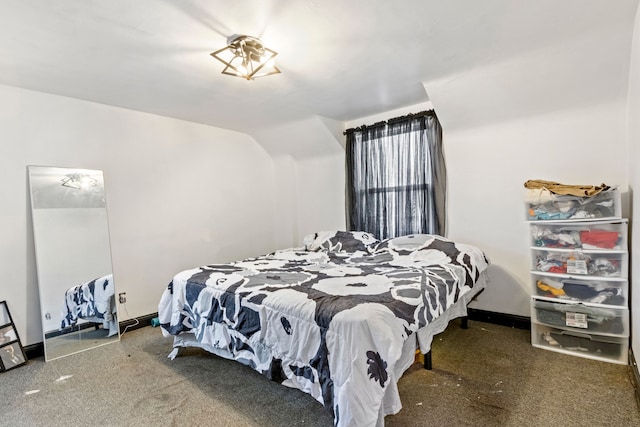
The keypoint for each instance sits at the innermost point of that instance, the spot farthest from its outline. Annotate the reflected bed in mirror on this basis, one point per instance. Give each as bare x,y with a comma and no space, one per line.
73,259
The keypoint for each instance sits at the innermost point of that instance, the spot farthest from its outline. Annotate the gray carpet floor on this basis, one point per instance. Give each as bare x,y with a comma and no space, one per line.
487,375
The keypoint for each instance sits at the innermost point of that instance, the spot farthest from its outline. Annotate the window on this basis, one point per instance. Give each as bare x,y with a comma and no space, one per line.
396,177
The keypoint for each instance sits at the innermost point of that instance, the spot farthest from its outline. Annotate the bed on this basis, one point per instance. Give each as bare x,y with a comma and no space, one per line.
340,318
92,301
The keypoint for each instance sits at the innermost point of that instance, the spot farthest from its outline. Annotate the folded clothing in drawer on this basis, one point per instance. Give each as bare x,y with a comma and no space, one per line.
592,319
567,236
578,263
599,239
545,203
597,292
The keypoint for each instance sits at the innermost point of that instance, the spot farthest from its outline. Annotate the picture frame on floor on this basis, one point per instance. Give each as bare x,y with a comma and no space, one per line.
11,352
5,317
7,335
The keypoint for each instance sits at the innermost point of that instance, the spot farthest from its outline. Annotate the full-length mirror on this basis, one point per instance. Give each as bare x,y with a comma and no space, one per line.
73,258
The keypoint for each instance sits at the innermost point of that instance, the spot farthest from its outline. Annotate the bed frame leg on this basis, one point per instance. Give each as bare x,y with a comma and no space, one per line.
427,361
427,357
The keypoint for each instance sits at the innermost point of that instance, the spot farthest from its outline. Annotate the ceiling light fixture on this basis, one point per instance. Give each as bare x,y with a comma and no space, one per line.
247,57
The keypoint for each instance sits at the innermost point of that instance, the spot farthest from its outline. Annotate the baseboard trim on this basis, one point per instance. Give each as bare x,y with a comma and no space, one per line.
503,319
33,351
635,376
137,322
36,350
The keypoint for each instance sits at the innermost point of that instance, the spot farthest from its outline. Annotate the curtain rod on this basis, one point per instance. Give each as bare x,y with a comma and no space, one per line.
391,121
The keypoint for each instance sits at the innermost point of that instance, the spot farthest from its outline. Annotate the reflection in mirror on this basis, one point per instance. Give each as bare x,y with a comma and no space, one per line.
73,259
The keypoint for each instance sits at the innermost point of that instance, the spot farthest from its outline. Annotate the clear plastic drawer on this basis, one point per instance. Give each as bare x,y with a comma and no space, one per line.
581,263
607,291
590,235
592,346
545,206
581,317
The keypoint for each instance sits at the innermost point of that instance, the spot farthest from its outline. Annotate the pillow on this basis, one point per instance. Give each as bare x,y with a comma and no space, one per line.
408,243
339,241
433,249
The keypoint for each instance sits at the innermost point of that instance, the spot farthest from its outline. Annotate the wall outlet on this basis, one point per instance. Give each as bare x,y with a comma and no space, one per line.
122,297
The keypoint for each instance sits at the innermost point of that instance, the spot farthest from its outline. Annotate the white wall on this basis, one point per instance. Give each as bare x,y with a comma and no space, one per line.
551,113
633,138
321,194
310,189
179,194
487,167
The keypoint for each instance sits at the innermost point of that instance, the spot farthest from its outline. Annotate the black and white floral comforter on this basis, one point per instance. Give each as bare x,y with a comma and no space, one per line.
92,301
330,318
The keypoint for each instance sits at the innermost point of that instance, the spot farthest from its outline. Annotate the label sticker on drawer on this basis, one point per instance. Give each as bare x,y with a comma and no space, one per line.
577,320
577,266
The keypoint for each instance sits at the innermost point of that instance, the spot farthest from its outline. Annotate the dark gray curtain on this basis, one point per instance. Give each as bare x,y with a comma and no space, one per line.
396,177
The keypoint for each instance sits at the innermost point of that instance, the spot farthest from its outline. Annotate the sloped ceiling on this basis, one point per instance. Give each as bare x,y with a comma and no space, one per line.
340,59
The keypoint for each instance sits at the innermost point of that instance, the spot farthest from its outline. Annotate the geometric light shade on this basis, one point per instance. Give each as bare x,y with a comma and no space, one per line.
79,181
247,57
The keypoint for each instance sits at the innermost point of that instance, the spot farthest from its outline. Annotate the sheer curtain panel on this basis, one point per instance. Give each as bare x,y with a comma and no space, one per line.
396,177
